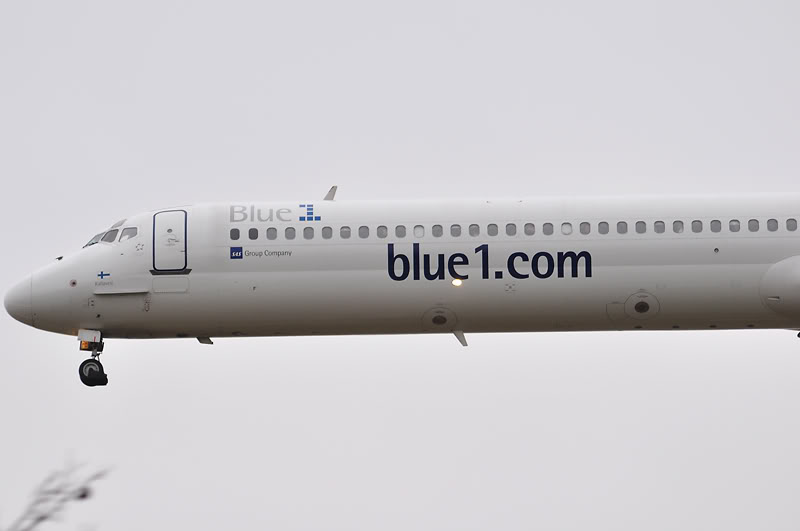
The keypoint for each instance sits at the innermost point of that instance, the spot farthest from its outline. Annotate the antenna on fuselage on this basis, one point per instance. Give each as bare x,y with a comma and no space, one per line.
331,193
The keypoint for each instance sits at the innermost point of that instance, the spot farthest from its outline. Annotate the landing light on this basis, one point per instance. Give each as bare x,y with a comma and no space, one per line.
457,282
90,346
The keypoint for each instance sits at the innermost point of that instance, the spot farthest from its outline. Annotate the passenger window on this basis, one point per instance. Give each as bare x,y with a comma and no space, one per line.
455,231
511,229
772,225
791,224
530,229
437,231
753,225
419,231
308,233
622,227
547,229
400,231
235,234
110,236
734,225
641,227
344,232
327,233
491,229
252,234
382,231
363,231
128,233
290,233
659,227
716,225
586,227
602,227
566,229
474,230
677,227
272,233
697,226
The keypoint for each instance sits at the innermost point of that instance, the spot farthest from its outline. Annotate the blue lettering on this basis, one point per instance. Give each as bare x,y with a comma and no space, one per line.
393,264
512,268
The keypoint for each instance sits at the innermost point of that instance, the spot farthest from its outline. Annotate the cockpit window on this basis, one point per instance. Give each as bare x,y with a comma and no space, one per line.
95,239
128,233
110,236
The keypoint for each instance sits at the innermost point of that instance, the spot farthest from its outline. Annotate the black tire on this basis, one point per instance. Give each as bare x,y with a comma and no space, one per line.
91,373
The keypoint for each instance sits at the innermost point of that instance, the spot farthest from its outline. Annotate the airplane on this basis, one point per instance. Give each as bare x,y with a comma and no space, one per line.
456,266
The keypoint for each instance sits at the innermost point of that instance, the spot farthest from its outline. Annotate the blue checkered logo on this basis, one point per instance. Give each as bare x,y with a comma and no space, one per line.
309,214
237,253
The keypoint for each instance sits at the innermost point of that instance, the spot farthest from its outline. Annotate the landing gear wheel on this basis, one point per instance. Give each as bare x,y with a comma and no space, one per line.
92,373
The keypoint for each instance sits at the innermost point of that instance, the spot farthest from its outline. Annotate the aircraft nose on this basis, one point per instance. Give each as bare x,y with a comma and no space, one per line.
18,302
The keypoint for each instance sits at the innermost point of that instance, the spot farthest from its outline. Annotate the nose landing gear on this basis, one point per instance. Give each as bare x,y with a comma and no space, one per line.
91,371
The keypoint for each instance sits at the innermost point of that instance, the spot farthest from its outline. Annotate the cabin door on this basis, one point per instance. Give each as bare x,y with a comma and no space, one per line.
169,242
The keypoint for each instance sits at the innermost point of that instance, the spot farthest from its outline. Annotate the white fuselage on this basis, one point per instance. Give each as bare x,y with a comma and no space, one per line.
387,267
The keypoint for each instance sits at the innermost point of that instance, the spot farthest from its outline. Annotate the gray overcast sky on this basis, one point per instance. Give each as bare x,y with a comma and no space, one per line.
110,108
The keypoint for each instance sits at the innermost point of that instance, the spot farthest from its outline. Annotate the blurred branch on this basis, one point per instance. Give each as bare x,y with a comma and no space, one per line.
54,494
